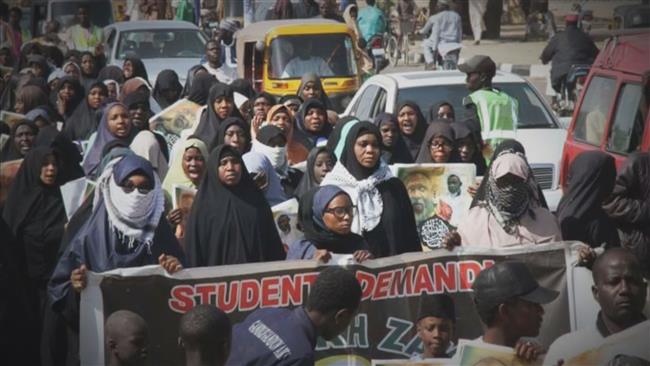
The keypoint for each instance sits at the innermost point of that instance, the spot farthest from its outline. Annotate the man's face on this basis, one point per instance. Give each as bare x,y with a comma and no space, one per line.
473,81
453,185
131,347
436,334
419,191
524,318
213,53
139,114
82,14
284,224
620,289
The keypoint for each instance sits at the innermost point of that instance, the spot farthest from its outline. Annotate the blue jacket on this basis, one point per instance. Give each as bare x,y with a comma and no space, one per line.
274,337
371,21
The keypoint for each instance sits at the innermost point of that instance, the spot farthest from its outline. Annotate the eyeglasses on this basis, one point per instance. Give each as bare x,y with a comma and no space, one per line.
340,212
129,187
439,145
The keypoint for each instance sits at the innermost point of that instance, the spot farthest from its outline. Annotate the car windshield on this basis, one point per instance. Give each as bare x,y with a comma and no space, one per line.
327,55
99,12
532,113
161,43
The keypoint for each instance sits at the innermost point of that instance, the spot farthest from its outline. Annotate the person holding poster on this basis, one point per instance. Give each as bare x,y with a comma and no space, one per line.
620,291
381,198
325,215
509,215
231,221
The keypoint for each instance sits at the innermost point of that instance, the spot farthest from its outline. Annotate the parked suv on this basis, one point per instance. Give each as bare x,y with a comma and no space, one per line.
612,112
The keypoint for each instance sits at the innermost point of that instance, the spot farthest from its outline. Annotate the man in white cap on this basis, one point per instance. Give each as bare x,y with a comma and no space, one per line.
445,35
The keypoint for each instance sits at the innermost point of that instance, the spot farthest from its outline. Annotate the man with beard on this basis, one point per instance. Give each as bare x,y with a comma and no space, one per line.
621,292
422,196
455,199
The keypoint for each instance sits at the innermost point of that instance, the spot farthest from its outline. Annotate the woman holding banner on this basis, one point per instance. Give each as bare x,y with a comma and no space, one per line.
231,221
381,199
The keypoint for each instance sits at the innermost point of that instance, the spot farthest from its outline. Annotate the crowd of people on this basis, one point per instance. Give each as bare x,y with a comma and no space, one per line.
248,151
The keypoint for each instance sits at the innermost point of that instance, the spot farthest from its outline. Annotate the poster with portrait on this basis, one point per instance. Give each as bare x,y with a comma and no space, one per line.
285,216
183,198
174,119
438,193
475,353
11,118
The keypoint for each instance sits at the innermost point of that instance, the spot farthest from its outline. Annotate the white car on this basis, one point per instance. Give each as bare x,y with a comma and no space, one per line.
538,129
160,44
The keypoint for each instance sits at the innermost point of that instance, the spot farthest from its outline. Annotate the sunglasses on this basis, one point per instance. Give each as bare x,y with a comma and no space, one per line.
129,187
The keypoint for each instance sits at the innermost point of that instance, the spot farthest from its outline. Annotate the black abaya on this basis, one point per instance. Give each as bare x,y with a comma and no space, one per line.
230,225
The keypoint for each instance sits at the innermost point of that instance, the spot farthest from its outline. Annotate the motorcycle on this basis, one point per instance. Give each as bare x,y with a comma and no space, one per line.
377,53
570,90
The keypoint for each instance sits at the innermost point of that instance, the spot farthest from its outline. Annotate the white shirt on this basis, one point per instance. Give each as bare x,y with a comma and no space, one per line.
573,344
224,73
297,67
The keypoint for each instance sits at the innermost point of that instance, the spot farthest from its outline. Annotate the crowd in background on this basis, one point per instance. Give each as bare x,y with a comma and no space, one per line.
249,151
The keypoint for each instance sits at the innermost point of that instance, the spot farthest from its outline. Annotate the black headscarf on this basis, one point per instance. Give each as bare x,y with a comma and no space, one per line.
210,121
41,61
189,80
590,181
349,159
230,225
70,156
307,138
200,89
335,136
308,180
84,120
32,96
223,127
35,214
433,111
398,153
310,217
436,129
10,151
111,72
516,147
413,141
318,84
76,99
138,68
243,87
166,80
462,130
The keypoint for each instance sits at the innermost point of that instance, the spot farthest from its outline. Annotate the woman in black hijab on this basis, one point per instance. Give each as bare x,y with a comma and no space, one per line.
438,144
320,161
235,132
381,199
35,213
231,221
468,148
192,73
200,89
311,87
88,66
221,105
67,96
85,118
312,125
111,72
167,89
590,182
393,148
412,126
21,140
515,147
325,215
134,67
